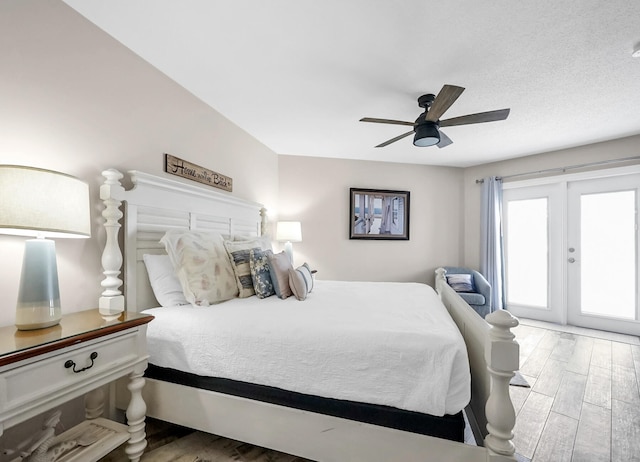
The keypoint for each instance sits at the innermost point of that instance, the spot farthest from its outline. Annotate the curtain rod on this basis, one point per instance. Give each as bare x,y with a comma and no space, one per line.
564,169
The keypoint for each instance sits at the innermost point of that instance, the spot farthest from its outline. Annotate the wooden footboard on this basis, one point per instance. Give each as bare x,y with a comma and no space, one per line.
493,359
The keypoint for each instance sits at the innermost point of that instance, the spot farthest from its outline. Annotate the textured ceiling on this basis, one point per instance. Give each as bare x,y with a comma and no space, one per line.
299,74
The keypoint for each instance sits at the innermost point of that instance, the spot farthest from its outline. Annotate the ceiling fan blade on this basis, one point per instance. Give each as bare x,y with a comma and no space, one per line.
386,121
447,96
478,118
393,140
444,140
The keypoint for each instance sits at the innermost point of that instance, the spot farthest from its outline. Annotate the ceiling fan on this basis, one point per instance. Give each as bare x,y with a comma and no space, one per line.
427,125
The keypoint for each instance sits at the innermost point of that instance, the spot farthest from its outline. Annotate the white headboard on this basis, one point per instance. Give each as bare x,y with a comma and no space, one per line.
154,205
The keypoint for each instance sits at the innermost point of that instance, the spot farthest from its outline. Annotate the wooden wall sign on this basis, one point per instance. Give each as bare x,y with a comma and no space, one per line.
184,169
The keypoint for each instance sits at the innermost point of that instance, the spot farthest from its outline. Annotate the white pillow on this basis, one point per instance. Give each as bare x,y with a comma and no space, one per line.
202,266
164,282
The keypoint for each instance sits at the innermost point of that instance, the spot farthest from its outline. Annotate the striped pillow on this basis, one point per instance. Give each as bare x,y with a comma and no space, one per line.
301,281
239,254
460,282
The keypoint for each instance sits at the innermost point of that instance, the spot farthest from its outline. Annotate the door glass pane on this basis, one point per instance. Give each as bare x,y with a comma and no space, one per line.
608,250
527,252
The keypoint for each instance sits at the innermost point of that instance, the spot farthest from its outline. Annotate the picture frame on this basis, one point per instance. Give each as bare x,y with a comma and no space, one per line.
379,214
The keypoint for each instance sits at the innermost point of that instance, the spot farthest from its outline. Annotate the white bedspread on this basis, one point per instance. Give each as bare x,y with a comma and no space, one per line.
382,343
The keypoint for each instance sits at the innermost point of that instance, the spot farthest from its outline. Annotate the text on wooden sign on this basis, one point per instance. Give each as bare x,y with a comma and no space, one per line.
185,169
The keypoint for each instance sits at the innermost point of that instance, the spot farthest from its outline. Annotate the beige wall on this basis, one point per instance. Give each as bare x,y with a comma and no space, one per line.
75,100
616,149
316,192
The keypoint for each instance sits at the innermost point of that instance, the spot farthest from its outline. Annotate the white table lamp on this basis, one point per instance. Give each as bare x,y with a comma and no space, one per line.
41,203
288,232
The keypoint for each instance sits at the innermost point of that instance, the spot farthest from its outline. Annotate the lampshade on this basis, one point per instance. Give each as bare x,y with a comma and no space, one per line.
289,231
41,203
427,134
38,202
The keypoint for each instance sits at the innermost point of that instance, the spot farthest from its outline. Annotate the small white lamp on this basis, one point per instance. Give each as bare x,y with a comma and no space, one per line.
288,232
41,203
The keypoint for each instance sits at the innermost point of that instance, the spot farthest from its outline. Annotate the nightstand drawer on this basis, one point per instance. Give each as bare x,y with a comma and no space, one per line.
74,368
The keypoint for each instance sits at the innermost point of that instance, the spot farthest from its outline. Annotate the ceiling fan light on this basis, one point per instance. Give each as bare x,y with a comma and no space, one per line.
426,135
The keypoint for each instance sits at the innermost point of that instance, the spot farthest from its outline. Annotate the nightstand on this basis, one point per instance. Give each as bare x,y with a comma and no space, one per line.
42,369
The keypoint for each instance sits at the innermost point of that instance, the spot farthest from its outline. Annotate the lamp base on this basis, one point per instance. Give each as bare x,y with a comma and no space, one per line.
37,318
288,249
39,297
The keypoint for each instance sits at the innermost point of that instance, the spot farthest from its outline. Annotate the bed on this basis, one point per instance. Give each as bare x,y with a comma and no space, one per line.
350,422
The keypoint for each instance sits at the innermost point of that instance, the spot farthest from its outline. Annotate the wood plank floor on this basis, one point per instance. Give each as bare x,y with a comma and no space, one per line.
584,400
583,405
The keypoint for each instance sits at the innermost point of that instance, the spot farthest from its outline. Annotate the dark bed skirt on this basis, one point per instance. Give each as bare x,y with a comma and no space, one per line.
450,427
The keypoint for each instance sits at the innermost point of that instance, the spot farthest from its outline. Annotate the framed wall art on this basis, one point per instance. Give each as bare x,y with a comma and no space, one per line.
378,214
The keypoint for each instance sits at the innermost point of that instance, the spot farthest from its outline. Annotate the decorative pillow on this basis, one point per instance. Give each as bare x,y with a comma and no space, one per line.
164,282
279,265
259,266
264,241
460,282
202,265
298,284
239,255
307,275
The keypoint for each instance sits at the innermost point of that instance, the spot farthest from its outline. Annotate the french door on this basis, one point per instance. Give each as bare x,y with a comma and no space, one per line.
571,252
533,220
602,254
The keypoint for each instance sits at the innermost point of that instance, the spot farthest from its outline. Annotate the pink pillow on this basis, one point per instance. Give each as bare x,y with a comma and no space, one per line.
279,266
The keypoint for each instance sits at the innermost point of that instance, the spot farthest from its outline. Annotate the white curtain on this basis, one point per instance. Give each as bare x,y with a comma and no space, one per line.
491,248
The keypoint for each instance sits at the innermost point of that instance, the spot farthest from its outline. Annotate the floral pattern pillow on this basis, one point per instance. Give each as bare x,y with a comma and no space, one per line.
260,274
239,256
202,265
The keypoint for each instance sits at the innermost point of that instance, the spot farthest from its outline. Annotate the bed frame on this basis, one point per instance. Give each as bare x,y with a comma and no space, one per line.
154,205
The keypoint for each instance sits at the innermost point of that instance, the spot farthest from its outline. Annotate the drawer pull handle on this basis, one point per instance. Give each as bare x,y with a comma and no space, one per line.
70,363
